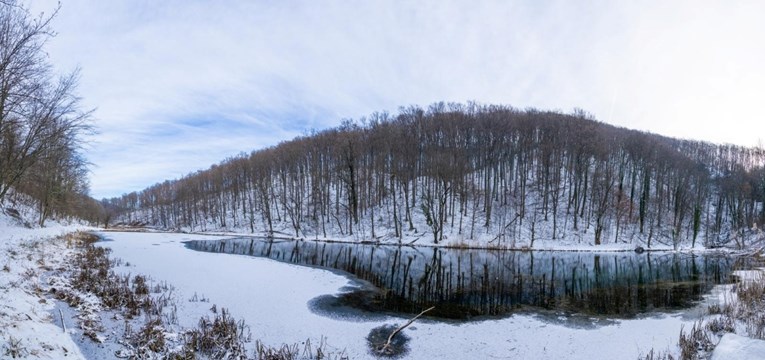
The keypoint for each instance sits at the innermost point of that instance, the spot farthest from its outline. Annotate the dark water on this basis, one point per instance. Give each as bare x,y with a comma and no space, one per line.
467,283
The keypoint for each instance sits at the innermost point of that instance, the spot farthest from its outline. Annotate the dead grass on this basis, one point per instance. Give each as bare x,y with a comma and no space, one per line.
654,355
81,238
721,325
695,342
93,274
14,349
218,337
307,351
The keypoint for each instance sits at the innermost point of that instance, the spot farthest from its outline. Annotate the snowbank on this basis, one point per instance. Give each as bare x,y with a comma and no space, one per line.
737,347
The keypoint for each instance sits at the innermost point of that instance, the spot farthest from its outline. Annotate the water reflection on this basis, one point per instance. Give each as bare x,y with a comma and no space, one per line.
466,283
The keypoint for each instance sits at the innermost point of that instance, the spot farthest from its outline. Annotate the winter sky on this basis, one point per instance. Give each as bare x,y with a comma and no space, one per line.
181,84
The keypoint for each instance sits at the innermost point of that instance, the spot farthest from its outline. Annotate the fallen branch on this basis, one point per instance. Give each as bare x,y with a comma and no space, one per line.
413,241
385,347
61,314
517,215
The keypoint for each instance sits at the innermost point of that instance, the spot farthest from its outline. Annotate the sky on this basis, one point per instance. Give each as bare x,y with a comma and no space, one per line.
179,85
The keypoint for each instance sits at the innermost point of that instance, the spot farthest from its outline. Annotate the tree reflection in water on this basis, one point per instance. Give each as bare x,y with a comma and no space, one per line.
466,283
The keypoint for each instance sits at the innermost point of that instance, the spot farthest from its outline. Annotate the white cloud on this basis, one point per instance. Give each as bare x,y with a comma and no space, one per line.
181,84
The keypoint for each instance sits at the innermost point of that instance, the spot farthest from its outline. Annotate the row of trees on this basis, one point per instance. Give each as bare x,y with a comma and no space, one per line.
471,171
41,124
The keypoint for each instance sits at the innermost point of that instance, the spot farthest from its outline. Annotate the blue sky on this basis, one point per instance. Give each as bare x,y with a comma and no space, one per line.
180,85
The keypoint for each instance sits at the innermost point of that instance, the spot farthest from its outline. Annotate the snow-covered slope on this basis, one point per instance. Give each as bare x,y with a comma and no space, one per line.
532,232
28,327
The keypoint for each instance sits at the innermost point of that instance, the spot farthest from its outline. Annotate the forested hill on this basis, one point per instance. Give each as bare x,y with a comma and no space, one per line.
472,174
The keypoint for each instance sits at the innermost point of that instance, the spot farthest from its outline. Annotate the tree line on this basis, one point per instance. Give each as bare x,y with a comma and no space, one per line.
41,124
471,171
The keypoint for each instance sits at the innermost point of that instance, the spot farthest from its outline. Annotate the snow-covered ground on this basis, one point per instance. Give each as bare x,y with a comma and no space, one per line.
423,240
737,347
28,327
273,299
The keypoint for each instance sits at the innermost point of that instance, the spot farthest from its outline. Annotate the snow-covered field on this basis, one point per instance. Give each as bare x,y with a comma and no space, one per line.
273,297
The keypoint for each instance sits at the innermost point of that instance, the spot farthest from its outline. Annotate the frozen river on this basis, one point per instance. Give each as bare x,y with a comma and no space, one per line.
469,283
278,300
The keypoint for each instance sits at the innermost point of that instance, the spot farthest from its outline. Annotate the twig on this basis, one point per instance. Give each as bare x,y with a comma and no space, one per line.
390,338
61,314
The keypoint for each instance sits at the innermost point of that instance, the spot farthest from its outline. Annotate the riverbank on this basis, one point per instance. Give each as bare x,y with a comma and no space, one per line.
29,327
755,241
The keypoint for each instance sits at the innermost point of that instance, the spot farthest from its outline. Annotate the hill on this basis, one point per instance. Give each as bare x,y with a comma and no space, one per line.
473,175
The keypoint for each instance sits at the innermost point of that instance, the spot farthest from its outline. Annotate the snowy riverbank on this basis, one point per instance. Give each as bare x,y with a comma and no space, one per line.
28,327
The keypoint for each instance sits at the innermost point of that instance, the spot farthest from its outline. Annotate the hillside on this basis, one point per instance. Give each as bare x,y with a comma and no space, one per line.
473,175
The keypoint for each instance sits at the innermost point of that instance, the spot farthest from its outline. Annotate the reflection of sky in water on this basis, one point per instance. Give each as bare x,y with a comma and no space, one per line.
468,283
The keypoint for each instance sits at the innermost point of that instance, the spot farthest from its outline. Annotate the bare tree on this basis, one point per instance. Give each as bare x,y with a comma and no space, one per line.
41,124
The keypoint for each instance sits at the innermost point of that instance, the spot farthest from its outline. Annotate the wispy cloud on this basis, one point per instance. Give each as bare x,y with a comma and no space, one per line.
179,85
